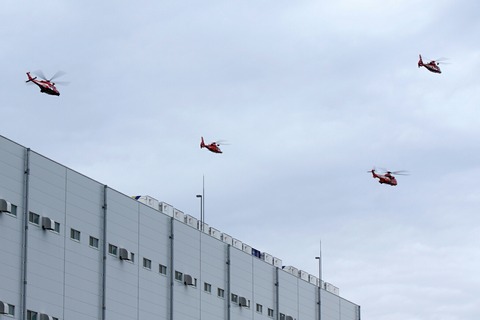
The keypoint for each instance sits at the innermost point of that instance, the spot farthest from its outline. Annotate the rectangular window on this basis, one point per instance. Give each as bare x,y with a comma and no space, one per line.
282,316
56,227
34,218
162,269
11,309
13,211
74,234
234,298
112,249
132,257
207,287
147,263
221,293
259,308
270,312
32,315
178,275
93,242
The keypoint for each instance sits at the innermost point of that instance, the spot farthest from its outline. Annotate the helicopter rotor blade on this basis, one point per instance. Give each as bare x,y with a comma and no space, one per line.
63,83
40,74
400,172
56,75
222,142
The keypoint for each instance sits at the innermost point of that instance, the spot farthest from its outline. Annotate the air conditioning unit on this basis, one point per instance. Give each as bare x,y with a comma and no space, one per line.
331,288
277,262
202,226
291,270
179,215
191,221
227,239
268,258
242,302
288,318
246,248
3,308
188,280
166,208
303,275
237,244
124,254
5,206
215,233
44,316
48,224
149,201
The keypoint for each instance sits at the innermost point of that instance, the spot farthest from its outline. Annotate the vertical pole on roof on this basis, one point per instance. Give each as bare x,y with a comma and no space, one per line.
203,203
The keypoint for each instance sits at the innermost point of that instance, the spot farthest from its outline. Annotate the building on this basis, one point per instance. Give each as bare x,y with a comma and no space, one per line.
73,248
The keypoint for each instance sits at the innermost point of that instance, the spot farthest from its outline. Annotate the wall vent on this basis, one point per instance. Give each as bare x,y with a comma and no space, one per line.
5,206
48,224
242,302
187,280
3,308
124,254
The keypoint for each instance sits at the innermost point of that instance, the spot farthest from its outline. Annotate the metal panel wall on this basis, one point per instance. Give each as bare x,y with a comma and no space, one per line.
122,276
65,277
83,263
46,249
11,226
154,246
213,272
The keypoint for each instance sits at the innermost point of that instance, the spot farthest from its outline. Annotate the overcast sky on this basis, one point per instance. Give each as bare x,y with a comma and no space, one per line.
309,94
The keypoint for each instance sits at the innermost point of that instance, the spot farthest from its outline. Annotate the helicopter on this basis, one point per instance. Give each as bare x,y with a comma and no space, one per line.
431,66
213,147
387,177
45,85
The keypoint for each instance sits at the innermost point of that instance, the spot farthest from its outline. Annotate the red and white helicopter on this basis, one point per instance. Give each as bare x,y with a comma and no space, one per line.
213,147
387,177
431,66
45,85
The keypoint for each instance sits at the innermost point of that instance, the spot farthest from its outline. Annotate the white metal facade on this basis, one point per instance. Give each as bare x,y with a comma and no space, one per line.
70,268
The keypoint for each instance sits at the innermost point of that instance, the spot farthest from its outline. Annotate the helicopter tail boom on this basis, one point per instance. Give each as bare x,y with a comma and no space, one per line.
420,61
30,77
